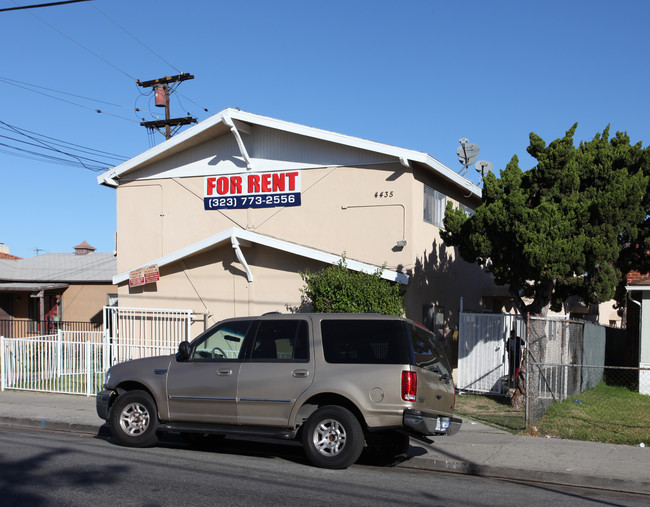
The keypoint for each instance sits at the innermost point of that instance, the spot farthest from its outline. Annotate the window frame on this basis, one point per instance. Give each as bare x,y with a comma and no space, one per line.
436,203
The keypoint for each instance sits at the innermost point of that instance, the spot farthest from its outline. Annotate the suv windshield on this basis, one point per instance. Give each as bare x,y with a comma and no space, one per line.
364,341
222,342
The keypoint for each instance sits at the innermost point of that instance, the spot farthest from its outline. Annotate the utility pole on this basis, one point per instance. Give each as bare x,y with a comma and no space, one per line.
162,90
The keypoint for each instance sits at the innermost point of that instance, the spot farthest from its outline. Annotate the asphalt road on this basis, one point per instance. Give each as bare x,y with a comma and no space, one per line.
60,468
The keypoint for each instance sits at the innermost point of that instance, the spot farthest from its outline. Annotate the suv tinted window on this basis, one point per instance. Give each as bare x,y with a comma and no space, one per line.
281,340
364,341
222,342
429,353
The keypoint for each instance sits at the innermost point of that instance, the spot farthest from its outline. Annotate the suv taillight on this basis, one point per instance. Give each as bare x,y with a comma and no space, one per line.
409,385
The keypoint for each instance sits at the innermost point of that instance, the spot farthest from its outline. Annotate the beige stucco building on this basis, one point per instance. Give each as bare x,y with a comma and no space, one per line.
228,213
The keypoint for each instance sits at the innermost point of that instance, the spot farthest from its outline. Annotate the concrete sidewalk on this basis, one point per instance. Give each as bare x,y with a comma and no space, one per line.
476,449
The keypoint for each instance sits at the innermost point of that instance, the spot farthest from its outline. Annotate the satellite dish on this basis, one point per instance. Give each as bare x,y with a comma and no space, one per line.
467,152
484,167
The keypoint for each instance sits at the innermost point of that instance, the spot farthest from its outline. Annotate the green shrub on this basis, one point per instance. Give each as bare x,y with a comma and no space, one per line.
337,289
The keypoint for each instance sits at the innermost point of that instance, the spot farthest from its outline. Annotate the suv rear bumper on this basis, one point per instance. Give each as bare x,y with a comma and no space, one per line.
430,424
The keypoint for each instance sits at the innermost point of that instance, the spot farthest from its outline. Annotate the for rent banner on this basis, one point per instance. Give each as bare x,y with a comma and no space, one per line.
252,190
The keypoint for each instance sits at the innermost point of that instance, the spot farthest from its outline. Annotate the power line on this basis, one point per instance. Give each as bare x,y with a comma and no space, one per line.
25,86
51,4
82,46
17,83
134,37
91,164
13,128
38,145
48,158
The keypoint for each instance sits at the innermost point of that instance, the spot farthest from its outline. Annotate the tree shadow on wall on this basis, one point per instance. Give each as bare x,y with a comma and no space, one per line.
440,278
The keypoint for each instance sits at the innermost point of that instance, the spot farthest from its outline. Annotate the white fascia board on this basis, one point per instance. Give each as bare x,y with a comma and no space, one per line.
453,176
402,154
327,135
312,253
260,239
229,118
630,288
158,150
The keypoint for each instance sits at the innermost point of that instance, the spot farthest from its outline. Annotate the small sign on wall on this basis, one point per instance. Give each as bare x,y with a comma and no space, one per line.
143,276
252,190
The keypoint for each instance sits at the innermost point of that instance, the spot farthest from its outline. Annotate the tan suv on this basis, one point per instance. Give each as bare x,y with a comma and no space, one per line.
337,382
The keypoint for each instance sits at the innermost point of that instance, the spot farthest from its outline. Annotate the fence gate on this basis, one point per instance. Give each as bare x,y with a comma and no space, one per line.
482,356
132,333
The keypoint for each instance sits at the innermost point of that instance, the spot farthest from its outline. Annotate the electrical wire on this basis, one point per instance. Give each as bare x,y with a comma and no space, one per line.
25,86
81,46
91,164
49,158
51,4
17,83
134,37
13,128
14,83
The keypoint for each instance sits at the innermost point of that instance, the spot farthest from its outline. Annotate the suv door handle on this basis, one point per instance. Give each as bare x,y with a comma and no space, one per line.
300,373
224,372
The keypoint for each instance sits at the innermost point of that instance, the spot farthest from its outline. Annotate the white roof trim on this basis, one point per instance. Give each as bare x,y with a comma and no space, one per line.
236,235
630,288
225,117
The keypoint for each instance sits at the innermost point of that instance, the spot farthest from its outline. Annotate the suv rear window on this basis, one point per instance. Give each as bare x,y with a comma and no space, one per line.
364,341
429,353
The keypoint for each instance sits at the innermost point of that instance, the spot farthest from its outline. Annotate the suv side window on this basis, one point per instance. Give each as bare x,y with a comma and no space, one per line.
364,341
429,353
281,340
222,342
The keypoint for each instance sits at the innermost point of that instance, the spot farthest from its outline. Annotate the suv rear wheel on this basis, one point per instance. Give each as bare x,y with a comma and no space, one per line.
333,437
133,419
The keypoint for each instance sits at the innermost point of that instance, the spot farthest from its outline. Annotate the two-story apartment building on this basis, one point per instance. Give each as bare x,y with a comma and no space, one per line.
223,218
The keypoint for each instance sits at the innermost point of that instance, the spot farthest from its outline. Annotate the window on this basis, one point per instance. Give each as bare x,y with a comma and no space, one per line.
466,209
281,340
222,342
434,206
428,352
364,341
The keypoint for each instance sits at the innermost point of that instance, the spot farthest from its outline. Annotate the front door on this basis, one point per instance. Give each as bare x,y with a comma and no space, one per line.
204,388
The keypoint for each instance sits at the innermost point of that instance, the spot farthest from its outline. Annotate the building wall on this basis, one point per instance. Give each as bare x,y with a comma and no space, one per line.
84,303
361,212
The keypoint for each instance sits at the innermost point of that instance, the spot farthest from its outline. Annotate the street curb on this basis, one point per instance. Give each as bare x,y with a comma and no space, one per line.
48,424
508,473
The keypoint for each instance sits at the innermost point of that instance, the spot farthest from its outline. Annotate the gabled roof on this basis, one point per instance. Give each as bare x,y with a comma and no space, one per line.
240,237
233,120
60,267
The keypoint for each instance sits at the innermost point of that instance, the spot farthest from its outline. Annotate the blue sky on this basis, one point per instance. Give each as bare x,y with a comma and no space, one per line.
414,74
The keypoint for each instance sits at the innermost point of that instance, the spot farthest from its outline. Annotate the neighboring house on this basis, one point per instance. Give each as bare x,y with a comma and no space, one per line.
222,219
71,287
638,305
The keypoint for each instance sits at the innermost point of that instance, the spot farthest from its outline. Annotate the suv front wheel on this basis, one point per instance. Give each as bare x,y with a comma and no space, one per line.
333,437
133,419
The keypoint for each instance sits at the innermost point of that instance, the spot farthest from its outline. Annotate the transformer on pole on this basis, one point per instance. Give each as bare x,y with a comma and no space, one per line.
162,90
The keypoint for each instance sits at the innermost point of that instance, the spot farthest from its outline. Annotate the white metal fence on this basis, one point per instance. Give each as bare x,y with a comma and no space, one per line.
63,363
75,362
482,355
144,332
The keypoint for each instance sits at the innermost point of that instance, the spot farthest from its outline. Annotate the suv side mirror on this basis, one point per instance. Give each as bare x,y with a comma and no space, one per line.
184,350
